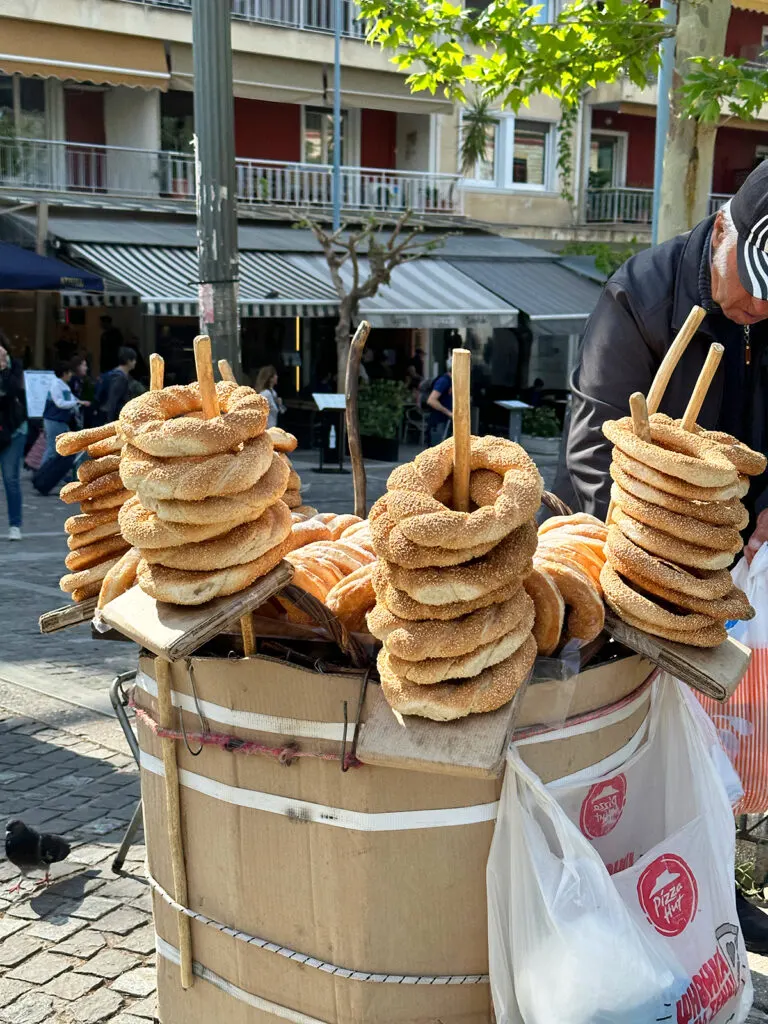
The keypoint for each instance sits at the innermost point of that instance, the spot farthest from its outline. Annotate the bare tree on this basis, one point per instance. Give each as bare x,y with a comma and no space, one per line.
371,258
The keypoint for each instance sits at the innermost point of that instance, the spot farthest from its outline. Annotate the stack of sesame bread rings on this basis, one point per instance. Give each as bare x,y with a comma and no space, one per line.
93,536
207,516
451,610
674,530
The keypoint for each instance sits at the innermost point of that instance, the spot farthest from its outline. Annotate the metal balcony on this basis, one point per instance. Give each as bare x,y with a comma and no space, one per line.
310,15
68,167
630,205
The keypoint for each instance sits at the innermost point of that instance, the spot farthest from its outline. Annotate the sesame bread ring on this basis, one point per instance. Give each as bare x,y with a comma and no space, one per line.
414,641
352,598
74,441
550,610
158,422
81,540
586,614
144,529
84,593
655,542
92,554
587,525
121,577
572,552
746,461
509,560
178,586
337,524
445,702
78,580
624,598
426,521
430,671
245,543
719,513
282,440
91,469
292,498
248,504
711,636
404,606
110,483
106,447
637,564
678,488
693,531
390,543
84,522
104,501
674,451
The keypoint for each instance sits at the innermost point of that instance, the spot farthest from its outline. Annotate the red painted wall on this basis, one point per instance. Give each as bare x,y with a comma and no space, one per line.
84,116
378,138
735,157
745,31
267,131
640,143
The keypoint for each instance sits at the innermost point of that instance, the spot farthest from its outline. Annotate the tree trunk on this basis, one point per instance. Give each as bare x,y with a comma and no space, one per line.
343,334
690,147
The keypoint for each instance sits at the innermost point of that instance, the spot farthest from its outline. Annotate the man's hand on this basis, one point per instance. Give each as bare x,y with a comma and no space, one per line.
758,538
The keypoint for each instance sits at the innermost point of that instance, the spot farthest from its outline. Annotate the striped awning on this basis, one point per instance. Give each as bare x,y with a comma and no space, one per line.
165,278
424,293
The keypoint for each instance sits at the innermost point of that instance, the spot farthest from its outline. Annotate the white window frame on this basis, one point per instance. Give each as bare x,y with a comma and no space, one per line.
764,38
504,159
350,141
623,149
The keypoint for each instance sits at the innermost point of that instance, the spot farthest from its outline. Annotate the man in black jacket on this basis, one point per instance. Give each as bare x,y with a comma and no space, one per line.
722,265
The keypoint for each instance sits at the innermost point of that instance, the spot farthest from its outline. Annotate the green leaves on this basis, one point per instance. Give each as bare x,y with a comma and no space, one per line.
718,85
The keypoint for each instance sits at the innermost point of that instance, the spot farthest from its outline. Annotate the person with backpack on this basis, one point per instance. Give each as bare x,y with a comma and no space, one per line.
13,434
113,389
440,402
60,406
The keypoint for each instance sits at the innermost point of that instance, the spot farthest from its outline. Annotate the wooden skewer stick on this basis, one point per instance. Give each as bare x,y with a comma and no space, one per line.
156,372
673,357
641,427
173,810
706,377
462,428
226,371
353,419
204,368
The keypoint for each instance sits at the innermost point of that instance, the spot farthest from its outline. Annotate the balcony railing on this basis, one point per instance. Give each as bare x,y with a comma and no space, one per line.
312,15
631,205
71,167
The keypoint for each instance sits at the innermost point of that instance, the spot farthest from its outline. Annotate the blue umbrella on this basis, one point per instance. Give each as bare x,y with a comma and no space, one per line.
23,270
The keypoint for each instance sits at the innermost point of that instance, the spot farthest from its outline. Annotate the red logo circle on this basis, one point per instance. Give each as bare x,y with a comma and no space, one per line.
668,894
602,808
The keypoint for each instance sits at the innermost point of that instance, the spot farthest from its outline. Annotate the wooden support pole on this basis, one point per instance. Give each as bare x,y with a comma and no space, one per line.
673,357
639,410
204,369
156,372
462,427
353,419
173,812
226,371
706,377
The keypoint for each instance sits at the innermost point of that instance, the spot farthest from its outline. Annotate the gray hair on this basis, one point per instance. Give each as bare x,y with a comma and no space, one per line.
731,235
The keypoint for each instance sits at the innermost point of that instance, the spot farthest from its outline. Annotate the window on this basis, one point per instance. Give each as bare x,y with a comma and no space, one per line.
485,168
518,155
22,107
318,136
607,160
529,160
177,121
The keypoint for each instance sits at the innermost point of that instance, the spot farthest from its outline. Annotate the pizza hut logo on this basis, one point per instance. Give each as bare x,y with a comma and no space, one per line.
668,894
602,808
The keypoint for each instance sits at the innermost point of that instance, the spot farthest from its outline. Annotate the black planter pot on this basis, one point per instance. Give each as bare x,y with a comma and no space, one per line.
380,449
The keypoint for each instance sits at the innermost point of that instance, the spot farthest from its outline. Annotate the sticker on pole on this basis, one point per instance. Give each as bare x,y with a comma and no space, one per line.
668,894
602,808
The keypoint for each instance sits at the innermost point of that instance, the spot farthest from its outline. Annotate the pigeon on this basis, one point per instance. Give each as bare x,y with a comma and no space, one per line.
30,850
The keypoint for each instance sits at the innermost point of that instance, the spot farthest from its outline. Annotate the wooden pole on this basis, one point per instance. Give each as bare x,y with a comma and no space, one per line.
353,419
462,427
204,368
226,371
706,377
173,811
673,357
156,372
641,426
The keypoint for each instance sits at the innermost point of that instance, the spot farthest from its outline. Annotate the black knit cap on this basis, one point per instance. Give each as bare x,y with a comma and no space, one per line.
749,209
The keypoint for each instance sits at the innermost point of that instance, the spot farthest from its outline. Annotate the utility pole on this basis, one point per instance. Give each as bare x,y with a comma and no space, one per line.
215,179
41,304
662,112
337,15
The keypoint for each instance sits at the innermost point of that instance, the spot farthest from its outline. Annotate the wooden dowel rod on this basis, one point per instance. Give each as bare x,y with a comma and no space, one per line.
462,427
706,377
352,385
673,357
249,637
156,372
639,410
173,811
204,369
226,371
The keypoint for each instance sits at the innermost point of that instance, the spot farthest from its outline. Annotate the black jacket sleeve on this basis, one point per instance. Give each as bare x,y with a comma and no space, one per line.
617,359
117,395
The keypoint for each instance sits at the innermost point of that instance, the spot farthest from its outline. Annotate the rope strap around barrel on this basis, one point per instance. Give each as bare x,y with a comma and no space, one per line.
310,961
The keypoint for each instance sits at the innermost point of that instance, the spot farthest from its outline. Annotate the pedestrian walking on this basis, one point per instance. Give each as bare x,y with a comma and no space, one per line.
440,402
60,406
82,387
13,434
114,387
266,383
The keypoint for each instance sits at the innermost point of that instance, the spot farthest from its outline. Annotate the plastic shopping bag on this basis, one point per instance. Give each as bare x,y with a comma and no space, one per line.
742,721
657,940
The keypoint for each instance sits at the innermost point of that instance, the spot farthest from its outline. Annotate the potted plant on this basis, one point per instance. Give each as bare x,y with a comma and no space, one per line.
541,433
381,404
